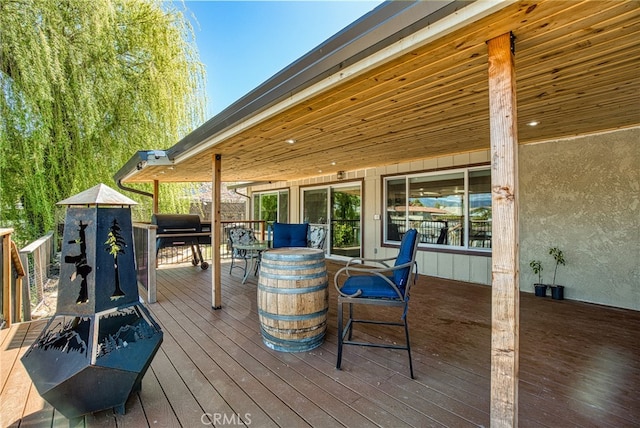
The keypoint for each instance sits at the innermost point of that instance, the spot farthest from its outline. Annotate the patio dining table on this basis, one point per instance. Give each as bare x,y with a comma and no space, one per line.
254,248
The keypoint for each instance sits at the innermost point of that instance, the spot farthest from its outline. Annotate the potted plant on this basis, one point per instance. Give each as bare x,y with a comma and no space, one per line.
540,288
557,291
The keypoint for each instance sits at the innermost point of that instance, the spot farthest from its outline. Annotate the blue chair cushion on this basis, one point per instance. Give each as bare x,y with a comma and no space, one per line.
401,276
290,235
372,286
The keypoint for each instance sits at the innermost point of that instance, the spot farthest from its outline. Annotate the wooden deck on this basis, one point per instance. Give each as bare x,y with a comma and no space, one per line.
579,366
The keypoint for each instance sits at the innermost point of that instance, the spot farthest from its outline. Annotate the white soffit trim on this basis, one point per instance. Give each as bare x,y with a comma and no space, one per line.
463,17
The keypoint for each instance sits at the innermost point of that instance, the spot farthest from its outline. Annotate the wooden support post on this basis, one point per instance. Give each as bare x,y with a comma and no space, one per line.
20,273
156,196
152,264
7,300
216,195
505,302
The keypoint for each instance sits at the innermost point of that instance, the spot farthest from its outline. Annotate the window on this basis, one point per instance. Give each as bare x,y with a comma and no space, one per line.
450,209
271,206
336,209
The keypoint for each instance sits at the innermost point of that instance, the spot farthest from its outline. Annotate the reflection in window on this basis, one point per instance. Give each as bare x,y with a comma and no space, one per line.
271,206
448,209
315,206
480,208
396,212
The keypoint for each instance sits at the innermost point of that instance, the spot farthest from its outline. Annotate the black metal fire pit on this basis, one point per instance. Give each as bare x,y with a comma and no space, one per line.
94,352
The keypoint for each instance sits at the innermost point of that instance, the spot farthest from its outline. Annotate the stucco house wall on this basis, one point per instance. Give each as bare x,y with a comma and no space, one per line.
580,194
583,196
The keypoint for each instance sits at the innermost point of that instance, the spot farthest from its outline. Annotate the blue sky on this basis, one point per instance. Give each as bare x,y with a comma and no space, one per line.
243,43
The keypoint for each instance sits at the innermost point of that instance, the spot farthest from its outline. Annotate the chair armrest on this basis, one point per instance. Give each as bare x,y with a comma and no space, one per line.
348,270
363,261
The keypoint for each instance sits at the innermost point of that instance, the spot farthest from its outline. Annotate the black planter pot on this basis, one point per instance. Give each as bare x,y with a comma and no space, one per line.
541,290
557,292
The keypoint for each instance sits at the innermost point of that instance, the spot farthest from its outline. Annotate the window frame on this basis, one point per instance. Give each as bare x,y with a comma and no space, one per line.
278,193
407,177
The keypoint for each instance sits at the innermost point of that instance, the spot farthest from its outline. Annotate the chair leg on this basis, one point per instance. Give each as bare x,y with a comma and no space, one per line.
350,322
340,336
406,330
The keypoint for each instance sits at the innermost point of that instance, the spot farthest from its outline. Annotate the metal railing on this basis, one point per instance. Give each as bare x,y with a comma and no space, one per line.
259,228
144,243
36,258
147,258
448,231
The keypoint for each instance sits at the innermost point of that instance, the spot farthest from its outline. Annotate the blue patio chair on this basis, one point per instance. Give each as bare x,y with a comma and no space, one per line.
290,234
375,282
243,236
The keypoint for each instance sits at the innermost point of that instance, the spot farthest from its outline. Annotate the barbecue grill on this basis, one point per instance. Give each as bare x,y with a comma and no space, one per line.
181,230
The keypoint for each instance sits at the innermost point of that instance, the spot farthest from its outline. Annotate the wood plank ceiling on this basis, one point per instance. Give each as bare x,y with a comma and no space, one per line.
577,68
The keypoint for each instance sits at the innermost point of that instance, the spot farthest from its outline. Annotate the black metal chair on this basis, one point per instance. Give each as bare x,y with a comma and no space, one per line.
244,236
375,282
317,237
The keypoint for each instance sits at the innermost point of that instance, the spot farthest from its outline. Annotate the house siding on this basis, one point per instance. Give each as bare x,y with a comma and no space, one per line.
580,194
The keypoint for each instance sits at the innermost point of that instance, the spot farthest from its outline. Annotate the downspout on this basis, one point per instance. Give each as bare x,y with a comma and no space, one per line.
131,189
241,194
248,211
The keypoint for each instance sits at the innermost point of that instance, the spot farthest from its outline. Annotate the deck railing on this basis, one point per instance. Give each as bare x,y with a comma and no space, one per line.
259,228
144,242
5,274
36,258
147,258
12,290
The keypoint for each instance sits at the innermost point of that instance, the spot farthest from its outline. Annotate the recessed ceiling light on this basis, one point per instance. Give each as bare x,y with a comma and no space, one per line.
533,123
290,141
333,163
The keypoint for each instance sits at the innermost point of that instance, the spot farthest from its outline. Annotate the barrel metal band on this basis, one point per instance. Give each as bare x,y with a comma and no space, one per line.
301,290
280,276
301,317
320,265
297,345
294,257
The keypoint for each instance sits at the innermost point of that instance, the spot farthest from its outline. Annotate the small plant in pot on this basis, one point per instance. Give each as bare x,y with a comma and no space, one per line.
540,288
557,291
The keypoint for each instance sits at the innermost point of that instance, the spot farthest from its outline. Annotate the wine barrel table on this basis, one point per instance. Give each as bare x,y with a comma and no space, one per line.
293,298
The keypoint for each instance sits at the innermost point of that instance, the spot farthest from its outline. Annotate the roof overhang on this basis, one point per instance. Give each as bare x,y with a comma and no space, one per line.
409,81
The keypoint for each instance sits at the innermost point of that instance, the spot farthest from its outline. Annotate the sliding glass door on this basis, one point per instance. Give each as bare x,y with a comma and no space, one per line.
337,209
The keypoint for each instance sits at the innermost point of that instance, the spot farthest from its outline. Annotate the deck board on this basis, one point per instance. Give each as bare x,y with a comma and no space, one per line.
228,375
256,361
17,384
579,365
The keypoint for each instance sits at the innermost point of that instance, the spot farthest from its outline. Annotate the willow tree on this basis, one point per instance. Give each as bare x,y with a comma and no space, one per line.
83,86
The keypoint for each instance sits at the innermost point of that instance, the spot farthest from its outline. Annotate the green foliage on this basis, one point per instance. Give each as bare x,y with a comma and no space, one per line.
83,86
346,206
558,256
269,207
536,266
343,235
